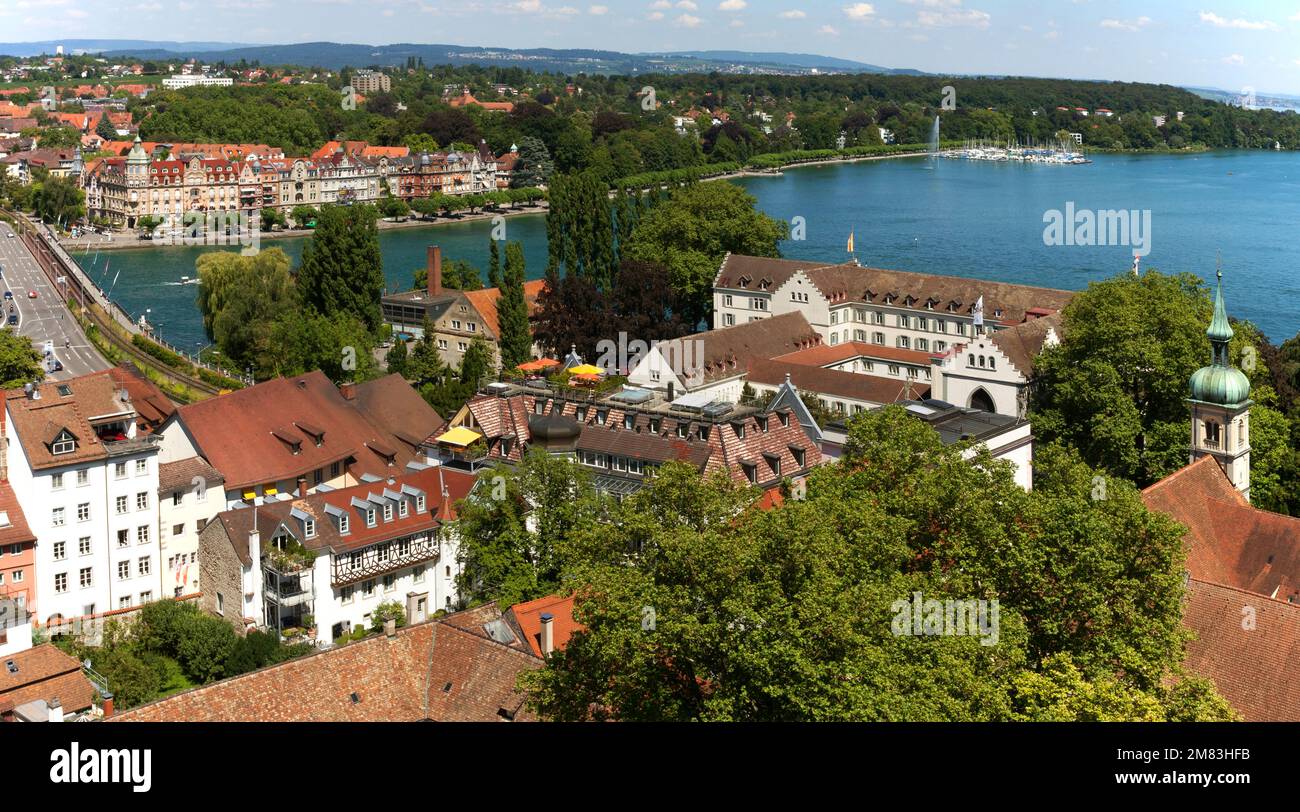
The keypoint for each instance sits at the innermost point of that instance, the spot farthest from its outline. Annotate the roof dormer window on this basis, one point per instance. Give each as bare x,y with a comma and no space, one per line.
370,517
388,512
64,443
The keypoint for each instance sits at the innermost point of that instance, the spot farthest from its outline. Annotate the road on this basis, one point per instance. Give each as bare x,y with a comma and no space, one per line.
44,318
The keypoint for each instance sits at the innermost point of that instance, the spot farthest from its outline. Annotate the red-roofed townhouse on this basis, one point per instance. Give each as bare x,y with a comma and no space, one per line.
325,561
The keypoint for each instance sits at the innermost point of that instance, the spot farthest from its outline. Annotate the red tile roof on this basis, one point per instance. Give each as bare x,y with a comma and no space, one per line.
16,531
44,672
37,422
528,618
825,355
853,385
1253,668
485,302
283,404
433,671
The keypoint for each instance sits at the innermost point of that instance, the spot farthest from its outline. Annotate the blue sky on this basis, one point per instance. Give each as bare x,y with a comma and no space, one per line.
1224,44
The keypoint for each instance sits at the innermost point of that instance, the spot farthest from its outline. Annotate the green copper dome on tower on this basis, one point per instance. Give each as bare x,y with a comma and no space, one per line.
1220,382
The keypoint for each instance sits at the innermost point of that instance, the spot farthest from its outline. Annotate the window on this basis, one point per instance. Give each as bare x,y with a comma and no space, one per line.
146,596
60,550
200,524
309,528
119,470
368,589
56,517
835,317
178,529
922,344
442,343
61,582
343,523
63,444
123,570
83,476
904,342
388,512
878,338
18,576
178,498
940,326
904,320
87,577
142,534
390,583
119,505
418,574
461,346
334,470
83,545
728,320
370,517
345,594
419,503
317,476
726,300
402,508
893,369
144,565
56,482
122,538
83,512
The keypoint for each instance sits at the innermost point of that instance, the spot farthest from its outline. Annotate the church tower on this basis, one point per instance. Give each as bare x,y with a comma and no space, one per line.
1220,404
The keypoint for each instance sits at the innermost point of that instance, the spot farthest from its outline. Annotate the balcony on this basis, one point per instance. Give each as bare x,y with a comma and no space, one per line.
380,559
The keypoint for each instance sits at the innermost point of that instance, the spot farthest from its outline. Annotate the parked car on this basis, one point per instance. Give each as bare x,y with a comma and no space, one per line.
13,318
58,365
9,294
31,294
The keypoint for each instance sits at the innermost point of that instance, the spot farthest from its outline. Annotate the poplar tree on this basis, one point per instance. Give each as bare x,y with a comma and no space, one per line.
512,310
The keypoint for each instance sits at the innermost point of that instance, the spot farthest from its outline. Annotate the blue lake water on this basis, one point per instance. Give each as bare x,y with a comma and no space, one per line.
983,220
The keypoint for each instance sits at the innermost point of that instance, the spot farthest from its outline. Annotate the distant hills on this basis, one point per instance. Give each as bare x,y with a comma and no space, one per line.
334,55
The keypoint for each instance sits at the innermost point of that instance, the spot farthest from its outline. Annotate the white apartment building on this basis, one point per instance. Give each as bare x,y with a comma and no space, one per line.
326,561
88,483
190,494
180,81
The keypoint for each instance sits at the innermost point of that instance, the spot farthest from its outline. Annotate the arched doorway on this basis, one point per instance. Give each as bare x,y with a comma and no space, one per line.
980,399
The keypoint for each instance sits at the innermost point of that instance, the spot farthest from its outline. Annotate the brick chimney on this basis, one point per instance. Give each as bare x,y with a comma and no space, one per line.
108,706
548,633
435,270
348,390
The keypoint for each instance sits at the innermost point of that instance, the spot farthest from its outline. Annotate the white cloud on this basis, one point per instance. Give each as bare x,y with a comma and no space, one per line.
687,21
1234,59
732,5
598,11
829,30
1126,25
687,5
860,11
1248,25
954,17
661,4
793,15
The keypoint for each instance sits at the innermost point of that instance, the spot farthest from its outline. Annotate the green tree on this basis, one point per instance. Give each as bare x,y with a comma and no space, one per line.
693,230
342,268
515,339
58,200
534,166
241,298
20,362
1115,388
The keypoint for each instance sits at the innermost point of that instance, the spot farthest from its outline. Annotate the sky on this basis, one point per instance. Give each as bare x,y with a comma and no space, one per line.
1229,45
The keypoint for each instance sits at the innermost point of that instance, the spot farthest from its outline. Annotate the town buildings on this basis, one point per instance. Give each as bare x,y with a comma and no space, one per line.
75,456
180,82
325,561
457,317
463,667
371,81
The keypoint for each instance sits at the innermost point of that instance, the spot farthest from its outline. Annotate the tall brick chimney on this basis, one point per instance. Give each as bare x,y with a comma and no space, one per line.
435,270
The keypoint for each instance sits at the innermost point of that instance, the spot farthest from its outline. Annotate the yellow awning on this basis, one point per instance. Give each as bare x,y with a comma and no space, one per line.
585,369
460,436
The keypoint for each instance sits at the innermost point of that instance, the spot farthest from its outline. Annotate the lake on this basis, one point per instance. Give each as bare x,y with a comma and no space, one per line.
965,218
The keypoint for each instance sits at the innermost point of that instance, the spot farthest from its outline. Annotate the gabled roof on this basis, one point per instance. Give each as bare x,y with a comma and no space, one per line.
852,385
37,421
252,414
527,618
485,302
391,404
726,352
17,530
46,673
1022,343
1254,669
319,507
440,670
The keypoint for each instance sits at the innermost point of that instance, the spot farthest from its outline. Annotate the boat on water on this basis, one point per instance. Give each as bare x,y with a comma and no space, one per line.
1058,155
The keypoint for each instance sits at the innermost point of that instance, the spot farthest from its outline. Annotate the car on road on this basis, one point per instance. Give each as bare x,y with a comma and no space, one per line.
13,318
9,294
31,294
10,235
58,365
